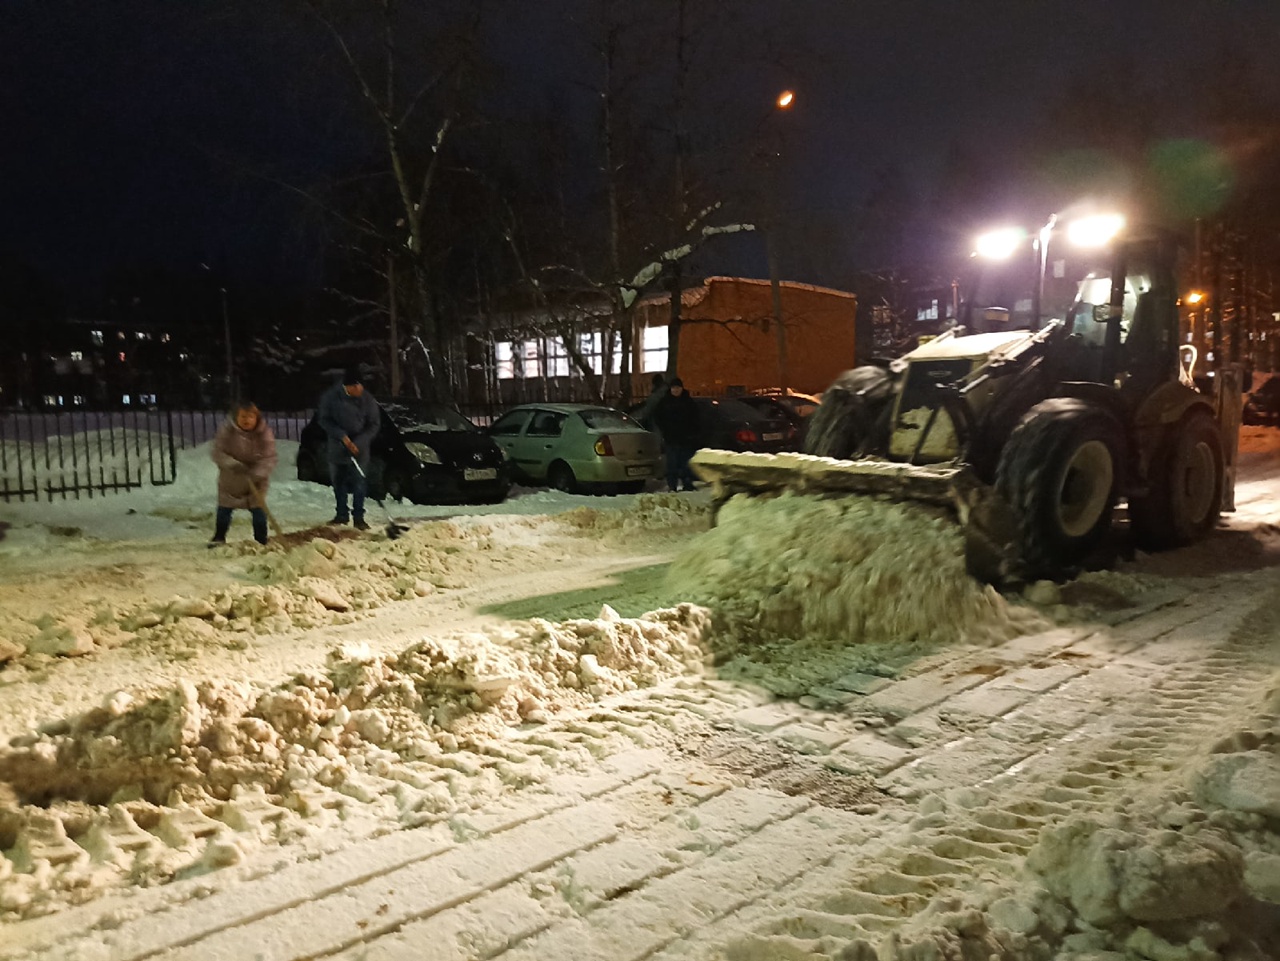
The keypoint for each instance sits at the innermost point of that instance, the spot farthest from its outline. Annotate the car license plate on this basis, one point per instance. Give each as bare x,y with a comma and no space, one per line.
773,437
639,471
480,473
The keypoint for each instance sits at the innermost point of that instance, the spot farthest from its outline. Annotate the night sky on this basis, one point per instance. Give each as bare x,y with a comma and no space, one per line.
128,124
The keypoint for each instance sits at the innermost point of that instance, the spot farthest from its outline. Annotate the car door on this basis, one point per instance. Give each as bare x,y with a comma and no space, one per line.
541,443
506,433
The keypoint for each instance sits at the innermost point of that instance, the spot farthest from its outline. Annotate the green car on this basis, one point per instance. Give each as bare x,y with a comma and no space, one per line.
578,447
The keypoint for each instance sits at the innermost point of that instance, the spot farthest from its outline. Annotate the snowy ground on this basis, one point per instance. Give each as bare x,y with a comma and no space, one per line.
573,727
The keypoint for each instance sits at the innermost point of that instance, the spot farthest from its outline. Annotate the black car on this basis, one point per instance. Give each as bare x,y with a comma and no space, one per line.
794,409
726,423
428,453
729,424
1263,405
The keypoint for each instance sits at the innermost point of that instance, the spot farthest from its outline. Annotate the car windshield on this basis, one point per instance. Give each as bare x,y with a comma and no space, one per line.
602,418
734,409
418,417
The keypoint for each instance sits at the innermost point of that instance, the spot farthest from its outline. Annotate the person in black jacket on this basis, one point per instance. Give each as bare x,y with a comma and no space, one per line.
676,418
350,418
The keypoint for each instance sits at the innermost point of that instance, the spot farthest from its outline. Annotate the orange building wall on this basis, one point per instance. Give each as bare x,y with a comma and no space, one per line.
729,339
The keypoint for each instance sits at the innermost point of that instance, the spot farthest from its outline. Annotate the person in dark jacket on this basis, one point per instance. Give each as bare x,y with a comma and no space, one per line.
350,418
676,418
245,452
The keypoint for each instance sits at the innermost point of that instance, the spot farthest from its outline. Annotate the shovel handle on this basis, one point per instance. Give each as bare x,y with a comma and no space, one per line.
262,502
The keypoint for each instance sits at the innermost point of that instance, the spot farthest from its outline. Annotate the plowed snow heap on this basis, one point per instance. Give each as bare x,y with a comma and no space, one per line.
845,570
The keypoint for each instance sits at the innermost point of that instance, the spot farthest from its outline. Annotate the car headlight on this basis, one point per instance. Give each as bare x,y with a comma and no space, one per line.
423,452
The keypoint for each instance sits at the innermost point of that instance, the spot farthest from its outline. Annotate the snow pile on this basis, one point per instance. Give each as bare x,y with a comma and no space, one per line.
649,511
335,578
378,729
1195,875
840,571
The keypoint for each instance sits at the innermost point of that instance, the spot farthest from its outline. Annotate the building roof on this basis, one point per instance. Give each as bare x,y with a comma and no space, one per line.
692,296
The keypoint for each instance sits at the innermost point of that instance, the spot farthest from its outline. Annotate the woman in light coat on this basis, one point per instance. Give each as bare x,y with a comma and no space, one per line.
245,452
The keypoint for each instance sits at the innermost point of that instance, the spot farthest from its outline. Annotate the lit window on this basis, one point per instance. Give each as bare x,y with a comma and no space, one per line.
77,355
119,335
125,399
503,356
78,400
591,346
557,358
95,336
164,338
529,358
121,356
655,343
928,313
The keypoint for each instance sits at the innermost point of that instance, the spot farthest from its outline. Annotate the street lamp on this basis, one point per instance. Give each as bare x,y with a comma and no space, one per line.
783,102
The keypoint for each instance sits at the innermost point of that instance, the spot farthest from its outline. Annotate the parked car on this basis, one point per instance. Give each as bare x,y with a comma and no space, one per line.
730,424
428,453
795,409
1263,405
575,447
727,423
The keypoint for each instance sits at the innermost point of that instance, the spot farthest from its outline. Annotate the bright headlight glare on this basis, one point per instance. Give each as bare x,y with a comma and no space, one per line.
1095,231
1000,244
425,453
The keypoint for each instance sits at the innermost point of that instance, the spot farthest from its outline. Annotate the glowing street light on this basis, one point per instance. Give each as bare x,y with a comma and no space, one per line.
1195,297
786,99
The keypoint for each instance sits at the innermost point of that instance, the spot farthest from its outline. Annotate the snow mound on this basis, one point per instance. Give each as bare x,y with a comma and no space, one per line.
839,570
336,577
87,801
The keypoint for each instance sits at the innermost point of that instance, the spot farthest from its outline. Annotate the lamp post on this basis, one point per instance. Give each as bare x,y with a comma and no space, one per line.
783,102
226,336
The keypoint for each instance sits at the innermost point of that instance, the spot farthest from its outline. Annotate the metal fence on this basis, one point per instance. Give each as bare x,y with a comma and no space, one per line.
94,453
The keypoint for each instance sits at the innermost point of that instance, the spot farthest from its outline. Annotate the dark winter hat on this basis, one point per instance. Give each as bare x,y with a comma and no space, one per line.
351,376
676,382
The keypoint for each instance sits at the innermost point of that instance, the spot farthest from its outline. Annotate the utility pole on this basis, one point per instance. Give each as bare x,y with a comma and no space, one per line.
226,336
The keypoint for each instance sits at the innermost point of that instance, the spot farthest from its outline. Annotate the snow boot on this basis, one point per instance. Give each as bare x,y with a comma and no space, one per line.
360,524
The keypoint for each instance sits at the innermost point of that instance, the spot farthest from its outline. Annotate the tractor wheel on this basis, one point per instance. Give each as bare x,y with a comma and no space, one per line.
1185,495
560,476
1059,474
849,415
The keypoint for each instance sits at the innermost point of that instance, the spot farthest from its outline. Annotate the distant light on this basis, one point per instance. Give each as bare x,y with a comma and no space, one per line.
786,99
1095,231
1195,297
1000,244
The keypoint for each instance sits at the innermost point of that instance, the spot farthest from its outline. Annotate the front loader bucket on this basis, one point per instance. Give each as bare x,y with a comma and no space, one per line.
989,538
731,473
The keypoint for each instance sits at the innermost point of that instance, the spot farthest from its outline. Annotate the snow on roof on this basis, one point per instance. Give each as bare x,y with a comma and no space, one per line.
692,296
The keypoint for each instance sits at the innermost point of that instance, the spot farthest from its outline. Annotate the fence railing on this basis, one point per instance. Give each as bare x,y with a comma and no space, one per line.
94,453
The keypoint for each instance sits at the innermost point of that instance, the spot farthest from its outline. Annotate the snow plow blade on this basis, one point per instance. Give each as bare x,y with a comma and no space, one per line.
990,555
733,473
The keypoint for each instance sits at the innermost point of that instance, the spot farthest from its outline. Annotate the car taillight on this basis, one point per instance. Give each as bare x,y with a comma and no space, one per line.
747,436
604,446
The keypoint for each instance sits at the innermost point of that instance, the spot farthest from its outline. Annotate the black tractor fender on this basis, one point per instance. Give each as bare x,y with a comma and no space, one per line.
1158,416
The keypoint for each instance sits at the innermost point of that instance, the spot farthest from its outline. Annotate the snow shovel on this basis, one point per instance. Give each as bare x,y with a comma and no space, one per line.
262,502
394,529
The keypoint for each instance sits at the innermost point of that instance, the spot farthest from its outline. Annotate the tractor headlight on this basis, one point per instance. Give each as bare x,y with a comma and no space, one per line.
425,453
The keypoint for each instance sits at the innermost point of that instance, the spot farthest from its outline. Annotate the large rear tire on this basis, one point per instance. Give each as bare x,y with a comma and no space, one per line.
1059,473
1184,499
849,417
